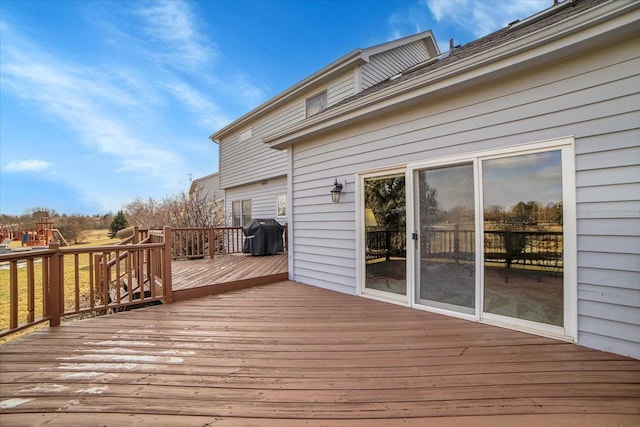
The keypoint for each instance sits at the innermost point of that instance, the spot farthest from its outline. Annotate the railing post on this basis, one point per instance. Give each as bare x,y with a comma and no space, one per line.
136,235
212,242
55,283
166,267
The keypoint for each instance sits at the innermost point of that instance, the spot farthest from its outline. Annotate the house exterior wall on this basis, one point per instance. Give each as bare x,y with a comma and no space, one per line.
248,161
594,97
263,198
389,63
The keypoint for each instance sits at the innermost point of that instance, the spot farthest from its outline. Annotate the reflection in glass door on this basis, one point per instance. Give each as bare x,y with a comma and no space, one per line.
385,234
445,217
523,237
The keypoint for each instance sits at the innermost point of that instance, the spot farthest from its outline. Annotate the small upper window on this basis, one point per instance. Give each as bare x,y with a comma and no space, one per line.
316,104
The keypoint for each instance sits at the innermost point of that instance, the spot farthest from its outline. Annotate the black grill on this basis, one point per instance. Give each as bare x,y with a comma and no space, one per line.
263,237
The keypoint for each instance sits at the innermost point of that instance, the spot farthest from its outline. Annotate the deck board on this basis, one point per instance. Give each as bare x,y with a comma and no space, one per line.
224,273
291,354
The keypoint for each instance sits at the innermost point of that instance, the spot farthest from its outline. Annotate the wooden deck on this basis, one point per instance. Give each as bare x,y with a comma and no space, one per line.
291,354
224,273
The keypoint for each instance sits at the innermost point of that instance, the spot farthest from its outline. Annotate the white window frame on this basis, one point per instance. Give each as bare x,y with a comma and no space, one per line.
243,214
566,145
319,97
281,200
361,289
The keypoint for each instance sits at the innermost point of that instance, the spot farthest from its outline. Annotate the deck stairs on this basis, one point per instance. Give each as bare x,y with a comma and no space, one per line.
131,291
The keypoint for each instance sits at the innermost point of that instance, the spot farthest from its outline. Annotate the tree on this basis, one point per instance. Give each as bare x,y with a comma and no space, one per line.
119,222
386,197
181,210
72,226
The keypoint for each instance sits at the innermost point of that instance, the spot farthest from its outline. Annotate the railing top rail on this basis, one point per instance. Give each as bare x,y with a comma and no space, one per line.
26,254
111,248
205,228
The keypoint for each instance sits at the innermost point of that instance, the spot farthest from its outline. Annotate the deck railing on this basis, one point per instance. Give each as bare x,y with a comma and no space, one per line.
47,285
200,242
50,284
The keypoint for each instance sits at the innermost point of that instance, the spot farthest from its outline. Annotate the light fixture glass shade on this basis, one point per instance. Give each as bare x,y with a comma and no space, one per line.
335,191
335,196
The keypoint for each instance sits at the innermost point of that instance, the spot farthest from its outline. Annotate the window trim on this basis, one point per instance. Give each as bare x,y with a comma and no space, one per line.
283,197
243,213
318,95
567,146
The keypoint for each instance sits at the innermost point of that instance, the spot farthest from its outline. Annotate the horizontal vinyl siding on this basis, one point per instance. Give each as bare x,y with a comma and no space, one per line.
389,63
210,187
608,211
251,160
593,97
263,198
340,89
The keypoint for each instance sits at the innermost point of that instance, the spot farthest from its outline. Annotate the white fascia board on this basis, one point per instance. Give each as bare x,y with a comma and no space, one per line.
426,36
346,62
613,20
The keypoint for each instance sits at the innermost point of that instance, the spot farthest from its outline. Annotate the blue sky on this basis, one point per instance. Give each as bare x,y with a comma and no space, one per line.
105,101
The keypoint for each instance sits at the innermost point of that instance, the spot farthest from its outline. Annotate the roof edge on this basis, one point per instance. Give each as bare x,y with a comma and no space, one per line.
360,108
355,57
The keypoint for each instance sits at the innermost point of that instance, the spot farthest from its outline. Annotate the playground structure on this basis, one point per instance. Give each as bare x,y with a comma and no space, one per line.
41,235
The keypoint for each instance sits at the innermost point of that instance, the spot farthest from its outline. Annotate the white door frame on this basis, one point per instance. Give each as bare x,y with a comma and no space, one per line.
566,146
361,289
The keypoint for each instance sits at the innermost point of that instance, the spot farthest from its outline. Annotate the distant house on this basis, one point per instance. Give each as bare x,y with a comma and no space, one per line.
208,188
498,182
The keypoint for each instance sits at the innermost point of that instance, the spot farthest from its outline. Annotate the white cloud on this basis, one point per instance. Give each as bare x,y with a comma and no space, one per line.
30,165
483,17
83,100
103,110
208,113
413,18
174,25
248,94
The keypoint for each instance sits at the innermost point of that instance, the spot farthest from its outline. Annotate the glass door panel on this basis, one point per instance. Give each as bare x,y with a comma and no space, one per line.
445,218
523,237
385,220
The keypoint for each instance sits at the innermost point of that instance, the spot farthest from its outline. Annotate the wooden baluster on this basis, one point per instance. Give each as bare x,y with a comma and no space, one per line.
92,282
55,284
76,260
166,267
13,294
30,291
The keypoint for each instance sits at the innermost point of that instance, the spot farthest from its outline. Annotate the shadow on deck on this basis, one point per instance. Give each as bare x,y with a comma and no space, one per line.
224,273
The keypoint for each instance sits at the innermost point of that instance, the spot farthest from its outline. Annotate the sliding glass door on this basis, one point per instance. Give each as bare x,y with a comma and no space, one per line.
445,217
385,222
490,237
523,237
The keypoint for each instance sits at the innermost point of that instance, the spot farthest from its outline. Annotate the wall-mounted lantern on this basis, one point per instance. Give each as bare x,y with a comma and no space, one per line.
335,191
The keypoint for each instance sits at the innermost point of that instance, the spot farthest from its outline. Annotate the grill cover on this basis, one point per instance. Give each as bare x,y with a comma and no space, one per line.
263,237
